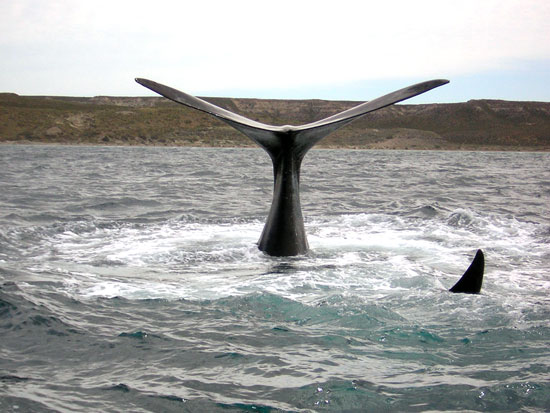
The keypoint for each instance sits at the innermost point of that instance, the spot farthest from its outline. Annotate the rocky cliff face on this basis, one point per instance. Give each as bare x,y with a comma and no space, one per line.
477,124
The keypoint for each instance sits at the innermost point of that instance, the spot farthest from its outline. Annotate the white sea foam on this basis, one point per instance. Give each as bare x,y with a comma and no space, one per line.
354,254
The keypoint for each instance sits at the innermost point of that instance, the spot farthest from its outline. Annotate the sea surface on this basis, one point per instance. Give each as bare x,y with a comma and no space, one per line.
130,281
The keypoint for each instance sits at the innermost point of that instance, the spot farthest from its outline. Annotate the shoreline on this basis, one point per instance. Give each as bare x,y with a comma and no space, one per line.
462,148
477,125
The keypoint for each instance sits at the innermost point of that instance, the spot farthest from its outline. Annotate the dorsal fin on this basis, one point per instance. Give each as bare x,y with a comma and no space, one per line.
470,282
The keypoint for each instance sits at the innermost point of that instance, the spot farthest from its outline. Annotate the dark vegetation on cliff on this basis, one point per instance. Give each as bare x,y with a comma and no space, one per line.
477,124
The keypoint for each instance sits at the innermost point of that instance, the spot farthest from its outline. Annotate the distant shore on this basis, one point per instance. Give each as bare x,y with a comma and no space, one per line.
483,125
492,148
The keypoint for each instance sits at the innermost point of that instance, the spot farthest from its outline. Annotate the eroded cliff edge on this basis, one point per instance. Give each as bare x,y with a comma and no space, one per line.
472,125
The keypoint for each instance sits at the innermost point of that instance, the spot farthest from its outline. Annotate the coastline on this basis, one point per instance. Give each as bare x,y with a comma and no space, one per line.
463,148
477,125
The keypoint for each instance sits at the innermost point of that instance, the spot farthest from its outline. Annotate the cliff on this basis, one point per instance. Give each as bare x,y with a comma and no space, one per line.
472,125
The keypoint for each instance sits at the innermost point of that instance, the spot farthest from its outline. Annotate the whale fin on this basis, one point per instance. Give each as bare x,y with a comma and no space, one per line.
261,133
378,103
316,131
202,105
470,282
308,134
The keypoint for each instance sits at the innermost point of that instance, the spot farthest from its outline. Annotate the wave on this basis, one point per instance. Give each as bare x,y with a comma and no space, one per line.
143,286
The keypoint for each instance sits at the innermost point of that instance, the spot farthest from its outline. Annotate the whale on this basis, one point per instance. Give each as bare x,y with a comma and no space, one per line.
284,232
472,279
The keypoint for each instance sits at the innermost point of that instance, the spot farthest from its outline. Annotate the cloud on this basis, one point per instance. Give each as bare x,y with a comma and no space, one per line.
211,46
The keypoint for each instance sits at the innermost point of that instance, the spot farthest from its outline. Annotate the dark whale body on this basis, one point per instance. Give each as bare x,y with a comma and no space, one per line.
284,233
470,282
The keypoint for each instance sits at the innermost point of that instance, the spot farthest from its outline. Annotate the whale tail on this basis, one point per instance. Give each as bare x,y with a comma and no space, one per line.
304,137
284,233
470,282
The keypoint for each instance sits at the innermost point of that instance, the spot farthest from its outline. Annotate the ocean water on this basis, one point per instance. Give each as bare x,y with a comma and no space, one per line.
130,281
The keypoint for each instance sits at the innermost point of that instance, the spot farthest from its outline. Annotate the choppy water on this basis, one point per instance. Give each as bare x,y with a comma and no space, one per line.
130,281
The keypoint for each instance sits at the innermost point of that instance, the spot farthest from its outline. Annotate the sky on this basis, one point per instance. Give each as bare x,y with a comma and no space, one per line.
338,49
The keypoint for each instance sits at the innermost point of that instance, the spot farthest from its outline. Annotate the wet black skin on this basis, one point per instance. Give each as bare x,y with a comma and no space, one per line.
284,233
471,281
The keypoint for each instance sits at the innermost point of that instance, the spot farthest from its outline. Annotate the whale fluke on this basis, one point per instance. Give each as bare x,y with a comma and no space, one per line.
470,282
284,233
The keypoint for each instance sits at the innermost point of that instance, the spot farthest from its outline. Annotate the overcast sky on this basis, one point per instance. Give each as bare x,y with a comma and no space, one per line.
338,49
